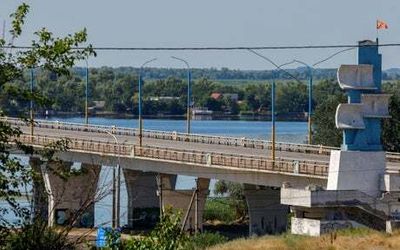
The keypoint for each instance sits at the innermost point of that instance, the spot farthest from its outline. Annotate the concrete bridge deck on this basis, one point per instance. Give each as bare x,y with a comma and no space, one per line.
223,144
310,161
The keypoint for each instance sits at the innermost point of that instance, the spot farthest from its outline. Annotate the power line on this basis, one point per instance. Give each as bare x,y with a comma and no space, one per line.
332,46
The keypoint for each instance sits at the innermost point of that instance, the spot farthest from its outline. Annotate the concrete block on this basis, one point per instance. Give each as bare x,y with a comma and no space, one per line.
349,116
375,105
390,183
356,170
312,227
358,77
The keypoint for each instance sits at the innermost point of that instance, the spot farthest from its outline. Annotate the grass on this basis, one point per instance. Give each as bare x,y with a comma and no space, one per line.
352,239
219,209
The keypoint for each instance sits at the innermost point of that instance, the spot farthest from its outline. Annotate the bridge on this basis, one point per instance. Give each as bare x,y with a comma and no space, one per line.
153,167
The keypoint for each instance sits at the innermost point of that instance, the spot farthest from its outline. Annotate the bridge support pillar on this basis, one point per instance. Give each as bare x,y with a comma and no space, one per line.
190,202
71,194
143,203
266,213
39,196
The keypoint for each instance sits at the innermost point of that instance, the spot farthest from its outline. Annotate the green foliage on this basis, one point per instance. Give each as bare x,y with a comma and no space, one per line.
235,192
113,238
166,236
221,209
54,55
324,128
38,236
204,240
391,127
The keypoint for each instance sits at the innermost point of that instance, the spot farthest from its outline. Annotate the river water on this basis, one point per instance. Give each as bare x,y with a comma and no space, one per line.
286,132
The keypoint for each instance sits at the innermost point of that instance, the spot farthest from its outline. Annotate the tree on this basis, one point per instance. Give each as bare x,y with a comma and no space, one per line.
324,127
235,192
391,126
49,53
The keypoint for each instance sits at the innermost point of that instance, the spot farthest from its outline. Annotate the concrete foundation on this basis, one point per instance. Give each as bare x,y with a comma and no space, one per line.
266,213
71,196
143,202
305,226
189,202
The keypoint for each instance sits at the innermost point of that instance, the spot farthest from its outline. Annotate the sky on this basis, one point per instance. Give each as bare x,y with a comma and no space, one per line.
194,23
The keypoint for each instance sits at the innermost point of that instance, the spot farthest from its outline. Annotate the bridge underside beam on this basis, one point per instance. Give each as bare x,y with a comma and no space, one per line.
256,177
266,213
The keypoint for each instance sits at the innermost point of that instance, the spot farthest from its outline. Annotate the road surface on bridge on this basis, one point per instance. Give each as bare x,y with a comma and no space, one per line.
77,131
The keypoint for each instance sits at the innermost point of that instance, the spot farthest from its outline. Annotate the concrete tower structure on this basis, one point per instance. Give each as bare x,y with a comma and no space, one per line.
359,192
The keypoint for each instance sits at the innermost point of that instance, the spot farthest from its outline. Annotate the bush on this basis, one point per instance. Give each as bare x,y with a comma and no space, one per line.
204,240
166,236
220,209
38,236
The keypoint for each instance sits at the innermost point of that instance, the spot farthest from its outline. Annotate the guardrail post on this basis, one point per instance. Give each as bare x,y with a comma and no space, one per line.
133,151
242,141
296,167
174,135
208,159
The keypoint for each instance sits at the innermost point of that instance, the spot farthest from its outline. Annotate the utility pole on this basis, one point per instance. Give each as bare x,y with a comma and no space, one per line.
189,94
196,208
31,103
140,100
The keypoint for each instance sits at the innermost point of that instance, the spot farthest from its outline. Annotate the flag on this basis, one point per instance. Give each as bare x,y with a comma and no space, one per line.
381,25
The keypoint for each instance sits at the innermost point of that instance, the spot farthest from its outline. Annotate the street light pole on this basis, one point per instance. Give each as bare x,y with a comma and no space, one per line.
31,114
116,191
86,93
310,81
189,94
140,100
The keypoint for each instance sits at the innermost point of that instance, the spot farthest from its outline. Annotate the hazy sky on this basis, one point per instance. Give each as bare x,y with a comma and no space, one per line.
188,23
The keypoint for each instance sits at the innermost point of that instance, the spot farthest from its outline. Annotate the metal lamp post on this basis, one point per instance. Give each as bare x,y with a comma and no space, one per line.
310,81
86,93
31,114
273,132
140,100
189,94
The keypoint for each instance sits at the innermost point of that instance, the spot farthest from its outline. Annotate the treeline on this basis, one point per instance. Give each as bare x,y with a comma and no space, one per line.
117,89
300,73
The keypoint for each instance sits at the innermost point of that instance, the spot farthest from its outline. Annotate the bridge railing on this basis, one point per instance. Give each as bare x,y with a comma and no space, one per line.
313,168
196,138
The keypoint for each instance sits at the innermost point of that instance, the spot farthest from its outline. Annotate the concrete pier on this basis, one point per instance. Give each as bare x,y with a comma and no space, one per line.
190,202
143,202
71,195
266,213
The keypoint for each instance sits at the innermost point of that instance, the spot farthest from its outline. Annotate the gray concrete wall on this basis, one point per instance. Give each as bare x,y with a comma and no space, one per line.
266,214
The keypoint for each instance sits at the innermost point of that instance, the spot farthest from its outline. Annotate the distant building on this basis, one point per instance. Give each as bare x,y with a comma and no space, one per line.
163,98
218,96
201,114
99,105
233,97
